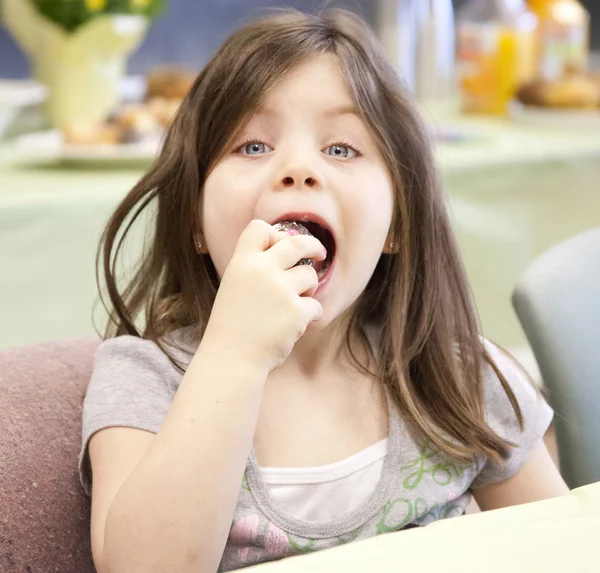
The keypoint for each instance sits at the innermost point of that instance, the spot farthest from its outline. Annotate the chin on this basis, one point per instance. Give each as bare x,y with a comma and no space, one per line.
330,316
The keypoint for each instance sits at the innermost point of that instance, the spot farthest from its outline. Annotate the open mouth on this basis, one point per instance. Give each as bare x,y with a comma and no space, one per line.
324,235
326,239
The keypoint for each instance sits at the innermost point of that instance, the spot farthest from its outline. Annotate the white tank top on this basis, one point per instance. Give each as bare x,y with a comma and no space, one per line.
325,493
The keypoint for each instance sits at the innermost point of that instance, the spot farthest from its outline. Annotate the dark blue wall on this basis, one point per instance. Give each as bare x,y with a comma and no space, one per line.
188,32
191,30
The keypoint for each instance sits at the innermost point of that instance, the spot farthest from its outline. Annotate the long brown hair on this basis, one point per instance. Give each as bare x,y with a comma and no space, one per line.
431,356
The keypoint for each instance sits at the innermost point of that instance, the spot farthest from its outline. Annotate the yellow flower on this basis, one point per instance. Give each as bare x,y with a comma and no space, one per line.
95,5
140,3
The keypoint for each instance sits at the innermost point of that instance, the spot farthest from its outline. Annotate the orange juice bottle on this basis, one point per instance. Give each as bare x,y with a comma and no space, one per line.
495,53
563,37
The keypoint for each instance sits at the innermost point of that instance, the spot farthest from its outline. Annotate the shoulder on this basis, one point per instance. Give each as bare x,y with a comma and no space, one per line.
498,405
133,352
128,363
501,415
127,348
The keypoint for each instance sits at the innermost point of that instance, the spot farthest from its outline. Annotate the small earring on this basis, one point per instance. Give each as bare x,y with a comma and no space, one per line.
199,247
392,245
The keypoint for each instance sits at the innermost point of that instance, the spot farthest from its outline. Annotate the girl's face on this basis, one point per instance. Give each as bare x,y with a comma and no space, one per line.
306,155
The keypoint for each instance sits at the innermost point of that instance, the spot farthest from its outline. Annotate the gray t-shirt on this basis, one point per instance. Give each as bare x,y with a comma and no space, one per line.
133,385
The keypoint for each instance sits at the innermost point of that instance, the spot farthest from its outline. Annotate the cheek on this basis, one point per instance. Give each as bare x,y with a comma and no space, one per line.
225,213
372,213
367,226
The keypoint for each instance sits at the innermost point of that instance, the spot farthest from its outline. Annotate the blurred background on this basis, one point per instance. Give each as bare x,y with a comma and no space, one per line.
510,90
191,30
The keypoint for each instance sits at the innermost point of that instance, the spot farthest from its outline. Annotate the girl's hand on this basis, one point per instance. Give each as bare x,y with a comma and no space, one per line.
264,303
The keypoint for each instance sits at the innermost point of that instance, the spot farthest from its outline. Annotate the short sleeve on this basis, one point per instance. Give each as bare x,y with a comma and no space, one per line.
133,384
500,415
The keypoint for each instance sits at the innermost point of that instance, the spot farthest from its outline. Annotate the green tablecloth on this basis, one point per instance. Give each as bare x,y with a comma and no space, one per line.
512,195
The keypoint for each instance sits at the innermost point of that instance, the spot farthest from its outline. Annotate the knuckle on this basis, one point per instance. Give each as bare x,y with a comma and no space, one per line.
300,240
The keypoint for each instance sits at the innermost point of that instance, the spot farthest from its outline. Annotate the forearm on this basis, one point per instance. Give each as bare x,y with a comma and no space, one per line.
174,512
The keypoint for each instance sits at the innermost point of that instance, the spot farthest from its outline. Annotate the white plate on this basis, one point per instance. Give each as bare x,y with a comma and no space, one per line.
19,93
15,95
50,145
567,118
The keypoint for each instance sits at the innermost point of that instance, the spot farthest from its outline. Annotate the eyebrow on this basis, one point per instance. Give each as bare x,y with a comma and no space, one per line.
341,110
330,112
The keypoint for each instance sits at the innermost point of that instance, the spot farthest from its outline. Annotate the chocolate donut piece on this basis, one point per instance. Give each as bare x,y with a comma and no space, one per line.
295,228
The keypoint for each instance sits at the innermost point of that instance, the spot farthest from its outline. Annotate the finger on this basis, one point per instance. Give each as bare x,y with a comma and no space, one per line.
289,251
256,237
304,280
312,309
278,236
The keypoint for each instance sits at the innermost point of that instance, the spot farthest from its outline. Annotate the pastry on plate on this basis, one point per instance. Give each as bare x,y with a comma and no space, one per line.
163,109
169,82
135,122
577,91
91,133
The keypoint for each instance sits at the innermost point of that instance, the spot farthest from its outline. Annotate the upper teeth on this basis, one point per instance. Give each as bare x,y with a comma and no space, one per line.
292,226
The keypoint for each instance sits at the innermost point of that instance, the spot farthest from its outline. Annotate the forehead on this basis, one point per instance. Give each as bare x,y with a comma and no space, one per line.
316,85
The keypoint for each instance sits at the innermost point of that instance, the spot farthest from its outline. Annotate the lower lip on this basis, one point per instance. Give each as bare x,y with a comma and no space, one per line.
323,282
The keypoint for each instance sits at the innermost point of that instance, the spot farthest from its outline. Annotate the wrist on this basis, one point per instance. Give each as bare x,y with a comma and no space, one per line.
224,354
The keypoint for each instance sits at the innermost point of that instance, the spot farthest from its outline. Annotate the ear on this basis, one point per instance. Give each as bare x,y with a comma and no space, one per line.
200,244
199,241
391,246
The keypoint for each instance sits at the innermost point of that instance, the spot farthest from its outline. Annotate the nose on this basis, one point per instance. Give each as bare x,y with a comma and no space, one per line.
298,176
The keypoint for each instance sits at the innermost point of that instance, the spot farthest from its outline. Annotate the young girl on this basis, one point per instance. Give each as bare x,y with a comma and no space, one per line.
266,408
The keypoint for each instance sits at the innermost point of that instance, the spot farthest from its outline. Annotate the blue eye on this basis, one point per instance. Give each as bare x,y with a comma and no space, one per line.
340,151
255,148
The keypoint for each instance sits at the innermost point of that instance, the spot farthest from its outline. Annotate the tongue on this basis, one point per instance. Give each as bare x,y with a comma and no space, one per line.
318,265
